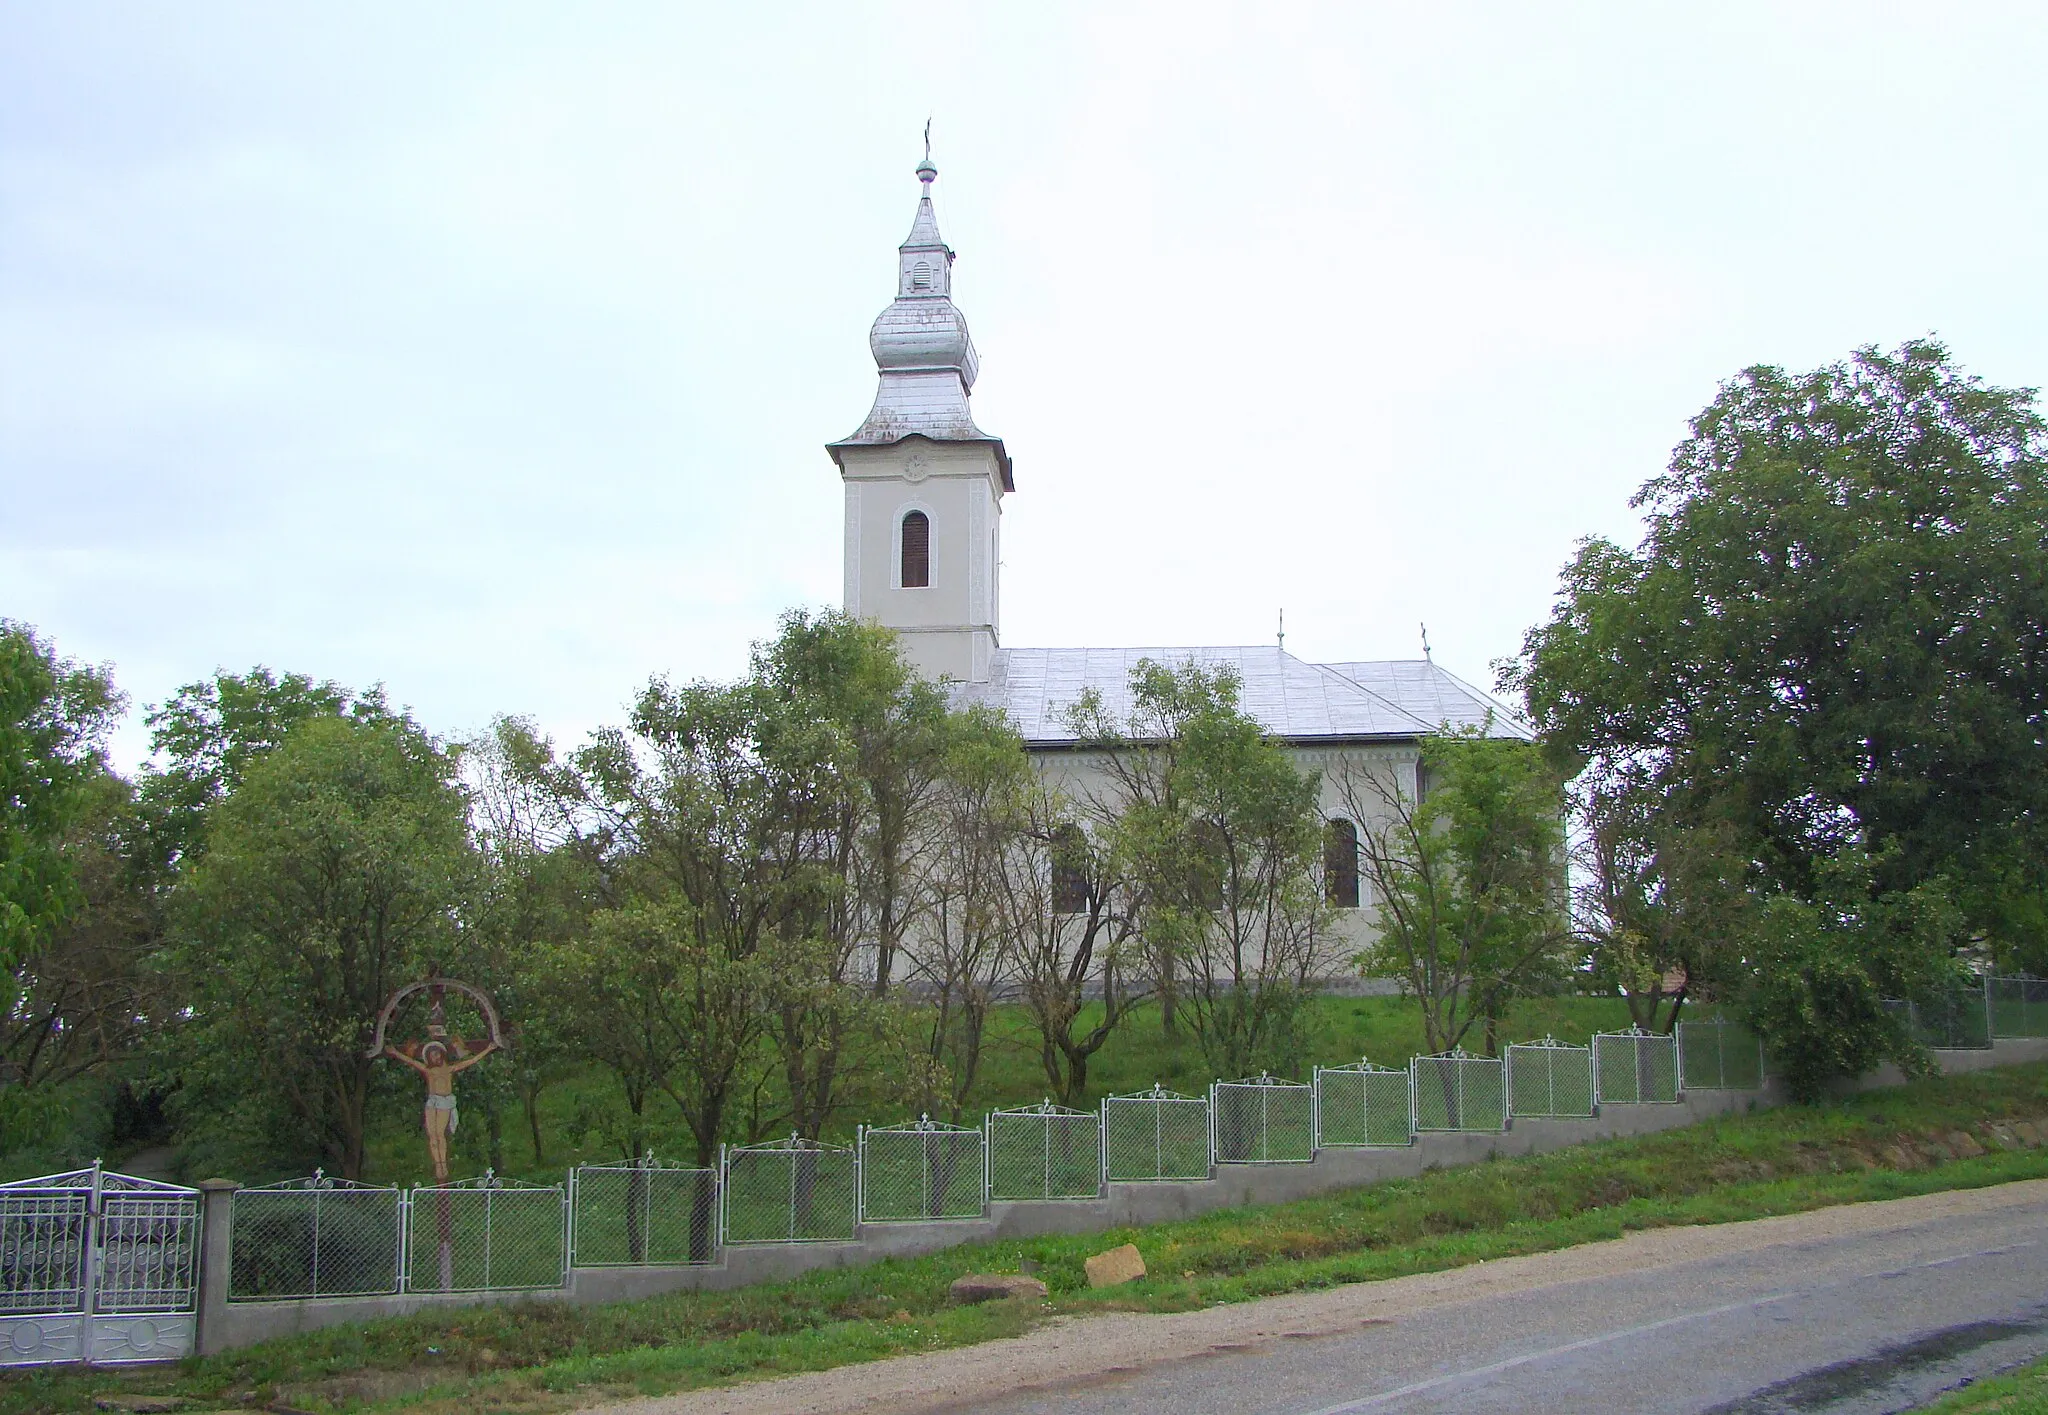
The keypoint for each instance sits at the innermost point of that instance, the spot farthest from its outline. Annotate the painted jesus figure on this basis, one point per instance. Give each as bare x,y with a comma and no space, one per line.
439,1117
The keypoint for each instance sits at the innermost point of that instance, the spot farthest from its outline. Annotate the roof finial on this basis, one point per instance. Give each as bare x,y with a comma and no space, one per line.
925,171
1281,640
1425,645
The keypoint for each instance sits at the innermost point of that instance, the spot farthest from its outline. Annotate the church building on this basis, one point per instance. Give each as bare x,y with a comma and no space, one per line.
924,504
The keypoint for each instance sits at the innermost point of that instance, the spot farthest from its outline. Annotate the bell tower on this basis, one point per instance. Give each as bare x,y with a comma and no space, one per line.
924,485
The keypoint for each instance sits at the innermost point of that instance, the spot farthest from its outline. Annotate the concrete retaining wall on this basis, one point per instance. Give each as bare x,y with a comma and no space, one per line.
225,1325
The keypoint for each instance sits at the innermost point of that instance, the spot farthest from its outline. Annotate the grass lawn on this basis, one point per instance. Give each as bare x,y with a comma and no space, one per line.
1136,1057
1956,1132
2023,1392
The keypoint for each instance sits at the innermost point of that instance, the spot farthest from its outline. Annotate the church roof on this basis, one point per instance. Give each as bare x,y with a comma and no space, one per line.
1291,698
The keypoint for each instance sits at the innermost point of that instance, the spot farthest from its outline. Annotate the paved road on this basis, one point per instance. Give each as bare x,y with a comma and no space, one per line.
1862,1322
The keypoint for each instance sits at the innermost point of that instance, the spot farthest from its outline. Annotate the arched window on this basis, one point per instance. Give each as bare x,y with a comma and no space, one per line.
917,551
1340,863
1070,871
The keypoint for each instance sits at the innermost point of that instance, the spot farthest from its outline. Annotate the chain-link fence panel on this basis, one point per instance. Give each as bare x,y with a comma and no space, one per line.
1263,1120
486,1234
1456,1090
1155,1134
1363,1105
1635,1067
628,1215
1719,1055
1956,1020
313,1237
2018,1006
1550,1078
1044,1151
791,1191
925,1169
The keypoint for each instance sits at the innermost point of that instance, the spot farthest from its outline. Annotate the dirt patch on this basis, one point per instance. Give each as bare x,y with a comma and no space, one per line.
1087,1350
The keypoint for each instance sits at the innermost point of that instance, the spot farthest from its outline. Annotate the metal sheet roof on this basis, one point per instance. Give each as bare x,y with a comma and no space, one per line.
1291,698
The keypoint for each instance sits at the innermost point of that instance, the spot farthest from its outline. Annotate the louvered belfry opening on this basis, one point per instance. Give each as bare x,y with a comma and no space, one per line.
917,551
1340,864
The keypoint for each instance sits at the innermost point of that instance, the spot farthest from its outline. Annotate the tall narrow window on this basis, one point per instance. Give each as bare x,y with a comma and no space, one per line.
1340,863
1070,871
917,551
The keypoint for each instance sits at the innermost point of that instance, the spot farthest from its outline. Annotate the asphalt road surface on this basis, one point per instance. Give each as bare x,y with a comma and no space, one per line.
1864,1322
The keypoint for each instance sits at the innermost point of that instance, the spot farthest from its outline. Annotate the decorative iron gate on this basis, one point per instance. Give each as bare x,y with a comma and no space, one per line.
97,1267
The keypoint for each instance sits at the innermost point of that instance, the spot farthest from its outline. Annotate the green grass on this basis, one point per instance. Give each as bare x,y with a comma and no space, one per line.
1137,1056
2021,1392
1956,1132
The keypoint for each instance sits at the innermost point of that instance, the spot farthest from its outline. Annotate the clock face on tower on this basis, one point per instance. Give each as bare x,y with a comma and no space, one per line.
917,468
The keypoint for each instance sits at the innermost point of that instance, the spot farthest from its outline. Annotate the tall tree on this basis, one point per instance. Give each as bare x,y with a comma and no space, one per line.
335,871
209,733
1832,641
1465,860
54,717
1223,832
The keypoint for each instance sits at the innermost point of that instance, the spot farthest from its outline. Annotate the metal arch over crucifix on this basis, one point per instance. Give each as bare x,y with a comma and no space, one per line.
438,1056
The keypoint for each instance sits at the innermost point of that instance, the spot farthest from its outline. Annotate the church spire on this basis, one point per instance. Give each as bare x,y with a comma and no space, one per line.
923,354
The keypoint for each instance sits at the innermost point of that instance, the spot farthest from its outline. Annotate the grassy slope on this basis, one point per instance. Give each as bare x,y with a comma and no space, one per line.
1952,1133
2023,1392
1384,1028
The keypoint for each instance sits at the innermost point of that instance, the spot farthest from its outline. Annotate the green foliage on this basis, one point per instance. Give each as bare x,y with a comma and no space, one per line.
1824,968
1830,643
211,731
1466,870
333,873
1223,844
54,717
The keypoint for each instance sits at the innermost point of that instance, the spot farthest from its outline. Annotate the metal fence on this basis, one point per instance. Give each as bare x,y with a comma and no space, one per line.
97,1266
634,1214
2018,1006
1155,1134
1262,1120
1043,1151
1456,1090
314,1237
1635,1068
925,1169
1957,1020
1719,1055
789,1191
486,1234
1551,1078
1363,1105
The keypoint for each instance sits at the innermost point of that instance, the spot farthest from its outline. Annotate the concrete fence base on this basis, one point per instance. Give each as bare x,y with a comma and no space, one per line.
226,1325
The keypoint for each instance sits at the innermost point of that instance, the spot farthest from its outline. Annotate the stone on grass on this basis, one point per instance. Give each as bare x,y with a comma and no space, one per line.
996,1287
1116,1266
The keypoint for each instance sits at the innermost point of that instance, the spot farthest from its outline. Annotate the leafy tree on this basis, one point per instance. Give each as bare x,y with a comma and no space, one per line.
77,1006
211,731
1072,910
1464,854
54,717
969,945
1224,841
335,871
539,878
1656,900
1832,643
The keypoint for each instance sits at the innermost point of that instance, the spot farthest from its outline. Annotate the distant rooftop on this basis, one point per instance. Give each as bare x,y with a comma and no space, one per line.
1292,699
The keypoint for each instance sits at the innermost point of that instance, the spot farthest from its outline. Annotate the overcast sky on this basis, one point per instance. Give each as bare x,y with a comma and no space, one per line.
488,351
